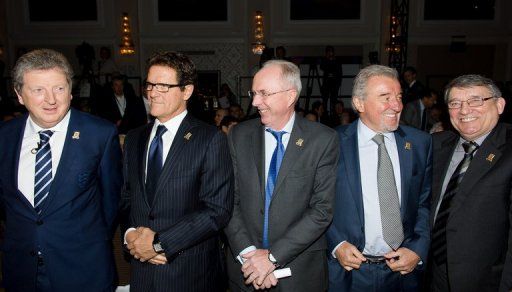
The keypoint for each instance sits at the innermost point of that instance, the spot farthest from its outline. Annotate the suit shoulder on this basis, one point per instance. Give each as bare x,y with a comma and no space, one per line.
89,120
13,125
245,128
415,133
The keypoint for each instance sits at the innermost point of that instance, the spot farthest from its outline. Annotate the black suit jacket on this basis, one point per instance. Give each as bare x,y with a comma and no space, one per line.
134,114
478,232
193,202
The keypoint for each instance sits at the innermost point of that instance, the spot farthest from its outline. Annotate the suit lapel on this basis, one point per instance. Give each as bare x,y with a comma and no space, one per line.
292,153
258,152
350,153
404,148
183,136
485,158
142,150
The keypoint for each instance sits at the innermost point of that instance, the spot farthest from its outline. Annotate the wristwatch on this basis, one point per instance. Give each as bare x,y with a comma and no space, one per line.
157,245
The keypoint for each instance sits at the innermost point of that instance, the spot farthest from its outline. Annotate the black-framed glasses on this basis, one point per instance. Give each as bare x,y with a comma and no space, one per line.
253,94
160,87
472,102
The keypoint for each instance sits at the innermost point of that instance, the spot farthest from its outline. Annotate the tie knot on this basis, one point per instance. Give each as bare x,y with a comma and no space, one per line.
469,147
277,134
45,136
160,130
379,139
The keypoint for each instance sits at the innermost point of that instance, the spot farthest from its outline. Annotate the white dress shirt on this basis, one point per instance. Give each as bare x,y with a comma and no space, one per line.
26,167
121,103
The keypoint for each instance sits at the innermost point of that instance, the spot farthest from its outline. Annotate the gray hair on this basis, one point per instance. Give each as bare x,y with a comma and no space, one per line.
289,73
472,80
40,59
366,73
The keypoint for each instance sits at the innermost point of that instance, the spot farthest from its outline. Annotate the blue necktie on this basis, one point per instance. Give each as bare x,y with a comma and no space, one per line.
155,163
273,170
43,170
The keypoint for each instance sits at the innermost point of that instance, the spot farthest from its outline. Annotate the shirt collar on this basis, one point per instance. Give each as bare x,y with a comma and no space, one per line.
173,124
366,134
33,128
289,125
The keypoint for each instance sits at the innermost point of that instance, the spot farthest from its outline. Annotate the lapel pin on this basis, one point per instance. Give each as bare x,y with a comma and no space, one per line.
187,136
76,135
490,157
407,145
299,142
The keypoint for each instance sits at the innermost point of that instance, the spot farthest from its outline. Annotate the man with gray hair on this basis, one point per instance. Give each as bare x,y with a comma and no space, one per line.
471,215
285,172
60,180
379,237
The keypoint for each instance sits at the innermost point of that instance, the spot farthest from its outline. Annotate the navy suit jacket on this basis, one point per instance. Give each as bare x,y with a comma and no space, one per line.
73,231
193,202
415,155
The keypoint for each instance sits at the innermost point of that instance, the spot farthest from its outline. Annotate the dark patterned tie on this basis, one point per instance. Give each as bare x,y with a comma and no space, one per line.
392,228
439,230
155,163
273,170
43,170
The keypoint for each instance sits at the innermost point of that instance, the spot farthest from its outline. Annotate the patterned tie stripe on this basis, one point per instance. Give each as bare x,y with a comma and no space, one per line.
392,228
439,230
154,163
273,171
43,170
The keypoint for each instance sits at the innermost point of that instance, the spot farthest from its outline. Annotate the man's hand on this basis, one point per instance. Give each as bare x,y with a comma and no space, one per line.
159,259
142,247
257,267
131,236
402,260
349,256
269,282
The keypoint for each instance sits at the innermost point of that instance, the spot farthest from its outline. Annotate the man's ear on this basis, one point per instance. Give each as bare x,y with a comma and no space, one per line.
189,89
20,99
358,104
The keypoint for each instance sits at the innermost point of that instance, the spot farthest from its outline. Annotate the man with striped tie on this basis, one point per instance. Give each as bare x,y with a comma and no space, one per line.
471,248
60,179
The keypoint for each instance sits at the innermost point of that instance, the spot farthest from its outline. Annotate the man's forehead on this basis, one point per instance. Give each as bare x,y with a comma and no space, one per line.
472,91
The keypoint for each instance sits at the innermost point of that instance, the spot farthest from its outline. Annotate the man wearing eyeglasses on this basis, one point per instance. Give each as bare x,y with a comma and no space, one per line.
471,248
178,188
284,187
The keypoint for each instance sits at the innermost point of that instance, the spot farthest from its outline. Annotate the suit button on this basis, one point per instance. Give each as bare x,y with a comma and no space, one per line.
151,217
39,222
33,253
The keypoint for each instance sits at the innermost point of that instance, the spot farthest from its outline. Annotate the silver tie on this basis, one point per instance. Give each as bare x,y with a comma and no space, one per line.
392,228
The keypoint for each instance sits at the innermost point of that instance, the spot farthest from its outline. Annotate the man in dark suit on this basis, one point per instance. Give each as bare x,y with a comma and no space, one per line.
60,180
121,106
178,187
284,187
416,113
471,193
379,237
413,88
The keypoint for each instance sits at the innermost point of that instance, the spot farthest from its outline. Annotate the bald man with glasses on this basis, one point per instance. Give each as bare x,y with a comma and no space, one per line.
471,242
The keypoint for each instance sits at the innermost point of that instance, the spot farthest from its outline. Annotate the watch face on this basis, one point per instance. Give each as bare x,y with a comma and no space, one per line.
158,247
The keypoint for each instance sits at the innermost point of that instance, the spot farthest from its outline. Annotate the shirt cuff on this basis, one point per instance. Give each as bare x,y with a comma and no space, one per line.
126,232
244,251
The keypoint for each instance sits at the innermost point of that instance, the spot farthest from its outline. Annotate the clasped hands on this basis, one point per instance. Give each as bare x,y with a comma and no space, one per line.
402,260
258,269
140,244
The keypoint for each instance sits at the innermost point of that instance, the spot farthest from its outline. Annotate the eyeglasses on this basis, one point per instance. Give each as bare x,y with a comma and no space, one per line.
160,87
252,94
472,102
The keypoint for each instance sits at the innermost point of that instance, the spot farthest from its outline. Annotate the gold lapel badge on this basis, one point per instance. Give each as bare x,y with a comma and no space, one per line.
490,157
299,142
187,136
407,145
76,135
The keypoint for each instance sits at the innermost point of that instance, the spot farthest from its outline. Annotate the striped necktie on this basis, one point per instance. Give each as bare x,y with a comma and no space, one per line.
43,170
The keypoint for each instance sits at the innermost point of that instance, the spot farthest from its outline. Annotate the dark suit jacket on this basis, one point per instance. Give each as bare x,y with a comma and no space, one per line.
479,235
193,202
74,229
301,207
134,115
411,115
415,154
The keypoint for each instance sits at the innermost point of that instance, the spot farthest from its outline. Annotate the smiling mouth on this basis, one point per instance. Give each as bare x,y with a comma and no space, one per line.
467,119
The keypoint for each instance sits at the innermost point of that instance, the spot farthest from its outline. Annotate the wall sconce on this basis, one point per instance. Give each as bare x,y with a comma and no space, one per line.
126,47
259,45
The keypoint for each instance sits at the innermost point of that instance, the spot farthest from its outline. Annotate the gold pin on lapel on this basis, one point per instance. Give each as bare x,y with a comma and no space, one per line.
299,142
490,157
407,145
187,136
76,135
